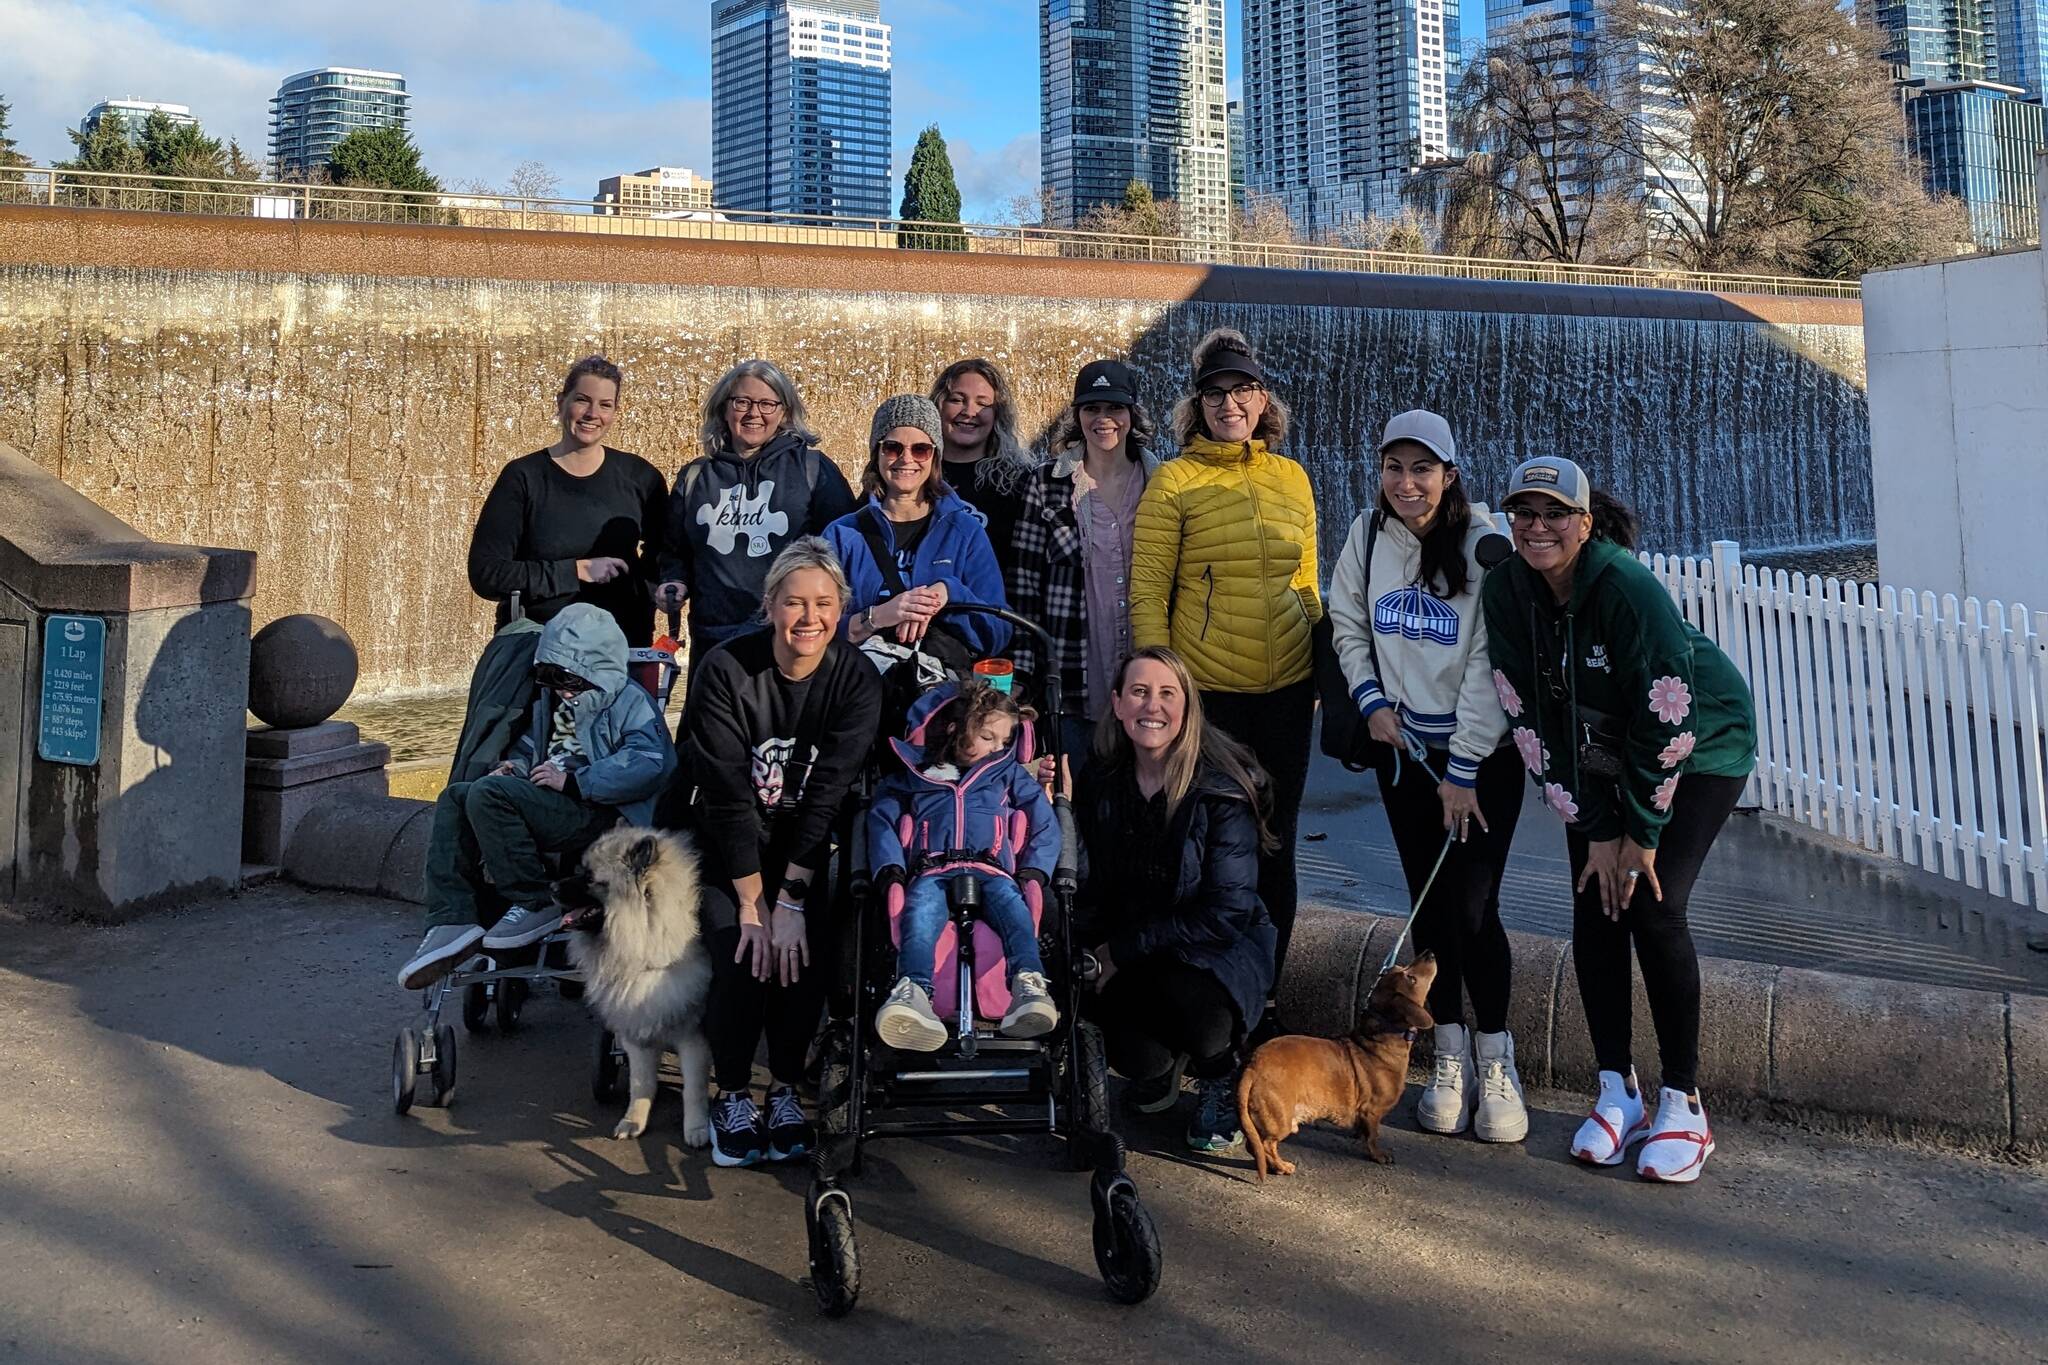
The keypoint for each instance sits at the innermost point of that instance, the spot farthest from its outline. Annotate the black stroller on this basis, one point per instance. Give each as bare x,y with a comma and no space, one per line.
978,1083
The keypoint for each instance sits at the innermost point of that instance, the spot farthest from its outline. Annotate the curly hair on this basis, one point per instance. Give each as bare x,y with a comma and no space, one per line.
978,702
1188,421
1066,430
1011,460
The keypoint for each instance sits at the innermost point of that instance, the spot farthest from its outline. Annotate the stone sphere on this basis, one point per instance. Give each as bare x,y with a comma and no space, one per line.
301,670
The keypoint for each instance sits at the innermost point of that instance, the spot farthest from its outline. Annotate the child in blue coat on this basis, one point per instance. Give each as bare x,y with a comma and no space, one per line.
961,791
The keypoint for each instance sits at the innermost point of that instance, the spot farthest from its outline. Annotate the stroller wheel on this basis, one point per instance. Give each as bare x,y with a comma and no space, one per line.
835,1258
1126,1244
1090,1063
405,1069
607,1069
476,1006
444,1065
511,1000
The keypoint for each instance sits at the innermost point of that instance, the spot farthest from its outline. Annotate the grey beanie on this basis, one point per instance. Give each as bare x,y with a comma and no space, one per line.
906,410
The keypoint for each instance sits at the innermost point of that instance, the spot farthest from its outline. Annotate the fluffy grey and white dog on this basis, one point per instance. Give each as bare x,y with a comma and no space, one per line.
633,905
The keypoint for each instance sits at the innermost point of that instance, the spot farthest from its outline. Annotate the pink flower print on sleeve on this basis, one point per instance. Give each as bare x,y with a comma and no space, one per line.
1670,699
1534,756
1668,788
1560,800
1678,750
1510,700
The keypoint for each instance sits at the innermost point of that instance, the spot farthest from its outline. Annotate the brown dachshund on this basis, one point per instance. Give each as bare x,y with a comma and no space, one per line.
1353,1080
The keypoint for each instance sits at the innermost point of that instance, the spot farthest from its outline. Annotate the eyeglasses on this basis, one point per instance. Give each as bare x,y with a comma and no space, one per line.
1554,515
919,450
767,407
1241,395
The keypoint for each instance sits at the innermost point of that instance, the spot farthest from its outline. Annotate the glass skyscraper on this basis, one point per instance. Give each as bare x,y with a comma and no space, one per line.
1134,90
316,109
1343,99
1977,142
800,107
132,115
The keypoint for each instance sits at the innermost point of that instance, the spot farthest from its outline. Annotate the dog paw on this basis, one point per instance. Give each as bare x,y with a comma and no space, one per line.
1284,1167
629,1128
697,1134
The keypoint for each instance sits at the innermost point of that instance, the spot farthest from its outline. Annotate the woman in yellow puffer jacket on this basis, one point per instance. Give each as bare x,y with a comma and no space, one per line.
1223,569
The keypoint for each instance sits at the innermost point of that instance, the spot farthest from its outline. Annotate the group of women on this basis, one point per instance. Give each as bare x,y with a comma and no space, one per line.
1181,593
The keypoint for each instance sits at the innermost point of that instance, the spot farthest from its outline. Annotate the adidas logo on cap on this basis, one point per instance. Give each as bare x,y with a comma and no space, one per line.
1101,382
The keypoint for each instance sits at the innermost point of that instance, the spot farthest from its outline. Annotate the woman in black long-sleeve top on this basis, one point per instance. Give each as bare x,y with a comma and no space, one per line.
777,725
577,521
1173,816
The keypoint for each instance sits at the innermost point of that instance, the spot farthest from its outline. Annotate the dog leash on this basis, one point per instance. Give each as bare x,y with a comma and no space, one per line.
1419,752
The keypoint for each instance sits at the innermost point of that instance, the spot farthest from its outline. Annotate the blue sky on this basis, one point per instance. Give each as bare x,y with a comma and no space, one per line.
587,87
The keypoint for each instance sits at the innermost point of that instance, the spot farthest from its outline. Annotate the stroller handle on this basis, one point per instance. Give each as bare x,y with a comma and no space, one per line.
1005,614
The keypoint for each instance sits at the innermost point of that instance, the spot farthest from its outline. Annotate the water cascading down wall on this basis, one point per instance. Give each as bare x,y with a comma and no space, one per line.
339,397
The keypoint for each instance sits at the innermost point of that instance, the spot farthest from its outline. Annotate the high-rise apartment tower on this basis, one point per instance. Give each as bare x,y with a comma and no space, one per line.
314,110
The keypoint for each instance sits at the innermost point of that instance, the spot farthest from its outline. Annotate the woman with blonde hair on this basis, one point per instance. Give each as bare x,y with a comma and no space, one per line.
1223,569
1173,814
759,484
984,463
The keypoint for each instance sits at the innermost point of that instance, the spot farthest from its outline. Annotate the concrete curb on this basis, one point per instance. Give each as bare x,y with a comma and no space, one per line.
1902,1060
378,847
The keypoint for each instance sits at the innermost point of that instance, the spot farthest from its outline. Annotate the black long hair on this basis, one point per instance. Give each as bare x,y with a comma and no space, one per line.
1613,520
1443,544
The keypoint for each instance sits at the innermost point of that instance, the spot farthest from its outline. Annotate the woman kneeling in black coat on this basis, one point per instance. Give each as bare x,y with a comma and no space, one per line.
1173,815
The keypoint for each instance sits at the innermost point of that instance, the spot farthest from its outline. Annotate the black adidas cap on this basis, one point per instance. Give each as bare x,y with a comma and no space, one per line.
1107,381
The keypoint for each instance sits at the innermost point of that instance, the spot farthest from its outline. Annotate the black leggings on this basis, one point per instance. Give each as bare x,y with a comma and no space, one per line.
1276,726
1460,919
1159,1007
1663,942
740,1009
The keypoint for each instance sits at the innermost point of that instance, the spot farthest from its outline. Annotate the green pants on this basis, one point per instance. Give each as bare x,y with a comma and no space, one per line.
487,843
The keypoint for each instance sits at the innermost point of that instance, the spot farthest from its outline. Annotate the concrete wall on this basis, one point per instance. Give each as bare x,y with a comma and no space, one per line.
338,397
1958,364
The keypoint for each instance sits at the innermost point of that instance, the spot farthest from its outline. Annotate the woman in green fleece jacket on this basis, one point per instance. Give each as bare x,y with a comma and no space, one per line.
1640,734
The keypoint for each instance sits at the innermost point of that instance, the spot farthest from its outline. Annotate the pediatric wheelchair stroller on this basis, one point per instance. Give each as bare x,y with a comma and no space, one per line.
978,1083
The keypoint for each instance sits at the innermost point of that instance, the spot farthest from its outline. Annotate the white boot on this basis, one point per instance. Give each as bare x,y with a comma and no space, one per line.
1446,1102
1616,1123
1501,1116
1680,1140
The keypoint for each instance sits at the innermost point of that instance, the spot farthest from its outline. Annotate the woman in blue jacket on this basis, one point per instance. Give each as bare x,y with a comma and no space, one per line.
913,546
1173,817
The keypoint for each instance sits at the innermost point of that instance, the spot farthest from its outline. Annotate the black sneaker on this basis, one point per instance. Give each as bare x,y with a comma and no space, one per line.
736,1135
1155,1094
789,1132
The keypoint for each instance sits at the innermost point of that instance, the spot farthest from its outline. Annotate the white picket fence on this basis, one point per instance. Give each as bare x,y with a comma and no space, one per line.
1911,724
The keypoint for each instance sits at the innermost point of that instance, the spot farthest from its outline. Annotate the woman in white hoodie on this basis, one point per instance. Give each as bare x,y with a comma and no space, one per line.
1404,610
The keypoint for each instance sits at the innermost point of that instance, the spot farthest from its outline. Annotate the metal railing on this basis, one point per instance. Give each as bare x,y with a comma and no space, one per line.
55,188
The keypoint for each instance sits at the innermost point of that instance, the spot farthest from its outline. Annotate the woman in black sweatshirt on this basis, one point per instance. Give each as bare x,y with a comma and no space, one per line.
576,522
776,727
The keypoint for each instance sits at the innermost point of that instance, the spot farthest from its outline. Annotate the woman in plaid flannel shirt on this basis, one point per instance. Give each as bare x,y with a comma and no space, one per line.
1070,559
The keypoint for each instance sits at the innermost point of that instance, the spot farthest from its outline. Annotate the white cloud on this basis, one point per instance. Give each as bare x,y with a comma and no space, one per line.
494,82
990,180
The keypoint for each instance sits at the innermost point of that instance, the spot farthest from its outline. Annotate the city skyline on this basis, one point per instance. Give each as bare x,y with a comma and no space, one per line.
492,86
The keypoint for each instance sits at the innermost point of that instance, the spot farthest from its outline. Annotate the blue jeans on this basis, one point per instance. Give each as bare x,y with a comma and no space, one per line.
925,914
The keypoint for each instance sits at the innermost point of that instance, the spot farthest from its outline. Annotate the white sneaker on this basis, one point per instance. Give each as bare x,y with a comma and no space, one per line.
1616,1123
1031,1011
1501,1115
521,926
1680,1140
1445,1105
907,1021
439,953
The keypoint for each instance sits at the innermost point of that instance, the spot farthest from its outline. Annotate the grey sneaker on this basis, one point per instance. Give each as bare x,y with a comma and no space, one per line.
1031,1010
1501,1115
440,953
907,1021
522,926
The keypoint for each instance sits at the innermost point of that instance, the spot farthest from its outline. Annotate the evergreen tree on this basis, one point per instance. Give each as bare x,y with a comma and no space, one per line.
177,149
239,166
1142,212
930,195
9,154
106,148
380,158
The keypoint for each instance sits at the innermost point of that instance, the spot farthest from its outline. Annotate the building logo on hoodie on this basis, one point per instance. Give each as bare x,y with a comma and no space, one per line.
1416,613
733,515
777,780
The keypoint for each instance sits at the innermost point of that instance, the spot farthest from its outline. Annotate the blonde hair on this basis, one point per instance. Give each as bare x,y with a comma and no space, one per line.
805,552
716,434
1007,457
1188,421
1195,745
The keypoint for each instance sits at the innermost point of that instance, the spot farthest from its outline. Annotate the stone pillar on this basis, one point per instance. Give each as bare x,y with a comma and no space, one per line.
121,745
289,772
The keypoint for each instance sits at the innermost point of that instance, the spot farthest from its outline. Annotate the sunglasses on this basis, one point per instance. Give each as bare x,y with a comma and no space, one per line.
558,679
918,450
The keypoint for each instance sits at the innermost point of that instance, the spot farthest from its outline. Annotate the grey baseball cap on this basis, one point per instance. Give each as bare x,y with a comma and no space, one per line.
1424,428
1553,478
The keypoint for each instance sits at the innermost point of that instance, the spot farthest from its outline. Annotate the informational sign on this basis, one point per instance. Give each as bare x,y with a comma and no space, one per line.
74,670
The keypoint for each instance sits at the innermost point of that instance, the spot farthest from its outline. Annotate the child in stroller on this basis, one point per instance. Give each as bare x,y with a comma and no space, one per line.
962,806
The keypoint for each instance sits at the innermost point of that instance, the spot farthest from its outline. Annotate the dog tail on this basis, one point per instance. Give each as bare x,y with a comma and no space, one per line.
1252,1141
